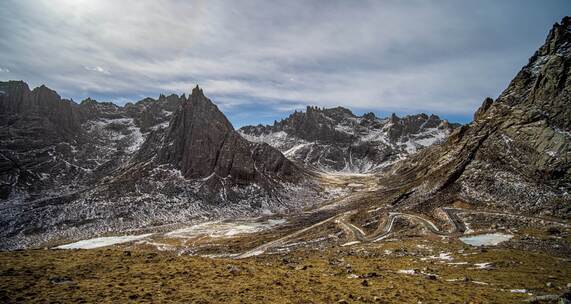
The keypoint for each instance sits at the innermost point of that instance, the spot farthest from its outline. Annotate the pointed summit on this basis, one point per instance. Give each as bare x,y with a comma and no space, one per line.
197,92
483,108
543,84
58,117
202,141
394,118
558,37
88,100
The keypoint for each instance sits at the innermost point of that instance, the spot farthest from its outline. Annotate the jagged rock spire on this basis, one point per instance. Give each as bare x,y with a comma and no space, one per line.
558,37
394,118
544,83
197,92
483,108
201,142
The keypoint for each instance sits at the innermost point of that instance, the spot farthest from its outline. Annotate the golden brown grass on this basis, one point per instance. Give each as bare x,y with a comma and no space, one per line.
310,276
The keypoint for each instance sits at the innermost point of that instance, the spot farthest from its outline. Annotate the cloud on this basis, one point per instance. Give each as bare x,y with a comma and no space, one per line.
3,70
97,69
251,56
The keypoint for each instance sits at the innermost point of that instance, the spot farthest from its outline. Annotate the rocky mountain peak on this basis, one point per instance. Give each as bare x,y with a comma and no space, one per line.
88,100
44,88
170,97
338,114
12,87
557,37
369,116
57,117
201,110
201,142
394,119
146,100
12,94
196,92
516,153
479,114
541,88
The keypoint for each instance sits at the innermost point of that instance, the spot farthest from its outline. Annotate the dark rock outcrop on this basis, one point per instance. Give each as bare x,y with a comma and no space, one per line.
150,112
34,125
42,109
201,141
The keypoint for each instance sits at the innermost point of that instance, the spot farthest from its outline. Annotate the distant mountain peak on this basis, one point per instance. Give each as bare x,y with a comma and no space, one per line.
335,139
201,141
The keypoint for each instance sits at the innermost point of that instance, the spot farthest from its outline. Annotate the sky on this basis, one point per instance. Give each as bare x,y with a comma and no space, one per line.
261,60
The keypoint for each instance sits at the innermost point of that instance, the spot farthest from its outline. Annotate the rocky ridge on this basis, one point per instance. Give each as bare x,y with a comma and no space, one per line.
515,156
203,142
336,140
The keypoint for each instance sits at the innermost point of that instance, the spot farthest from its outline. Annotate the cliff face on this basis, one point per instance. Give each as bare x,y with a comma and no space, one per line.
33,125
43,109
196,137
517,152
202,142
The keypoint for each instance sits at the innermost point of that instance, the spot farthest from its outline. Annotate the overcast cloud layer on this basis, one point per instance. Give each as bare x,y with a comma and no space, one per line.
259,60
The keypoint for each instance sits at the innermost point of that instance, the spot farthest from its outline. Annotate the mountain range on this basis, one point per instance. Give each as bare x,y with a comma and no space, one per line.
336,140
70,171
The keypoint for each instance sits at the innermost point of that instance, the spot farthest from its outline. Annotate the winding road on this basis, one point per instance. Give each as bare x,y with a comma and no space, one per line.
386,224
356,233
384,229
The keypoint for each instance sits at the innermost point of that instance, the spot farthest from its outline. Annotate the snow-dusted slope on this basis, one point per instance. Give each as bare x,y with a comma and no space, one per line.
72,171
336,140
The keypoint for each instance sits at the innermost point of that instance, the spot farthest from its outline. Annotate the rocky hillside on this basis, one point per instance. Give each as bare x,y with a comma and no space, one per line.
71,170
336,140
51,144
516,155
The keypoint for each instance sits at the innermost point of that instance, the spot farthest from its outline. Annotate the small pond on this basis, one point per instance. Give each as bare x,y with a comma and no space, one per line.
489,239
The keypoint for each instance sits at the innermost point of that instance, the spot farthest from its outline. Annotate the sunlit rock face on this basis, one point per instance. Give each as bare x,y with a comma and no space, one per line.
516,155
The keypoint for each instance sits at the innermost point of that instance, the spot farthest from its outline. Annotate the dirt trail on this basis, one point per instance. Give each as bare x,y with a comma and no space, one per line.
355,233
261,249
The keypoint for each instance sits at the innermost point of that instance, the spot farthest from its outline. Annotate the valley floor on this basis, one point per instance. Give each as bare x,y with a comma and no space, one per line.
350,250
